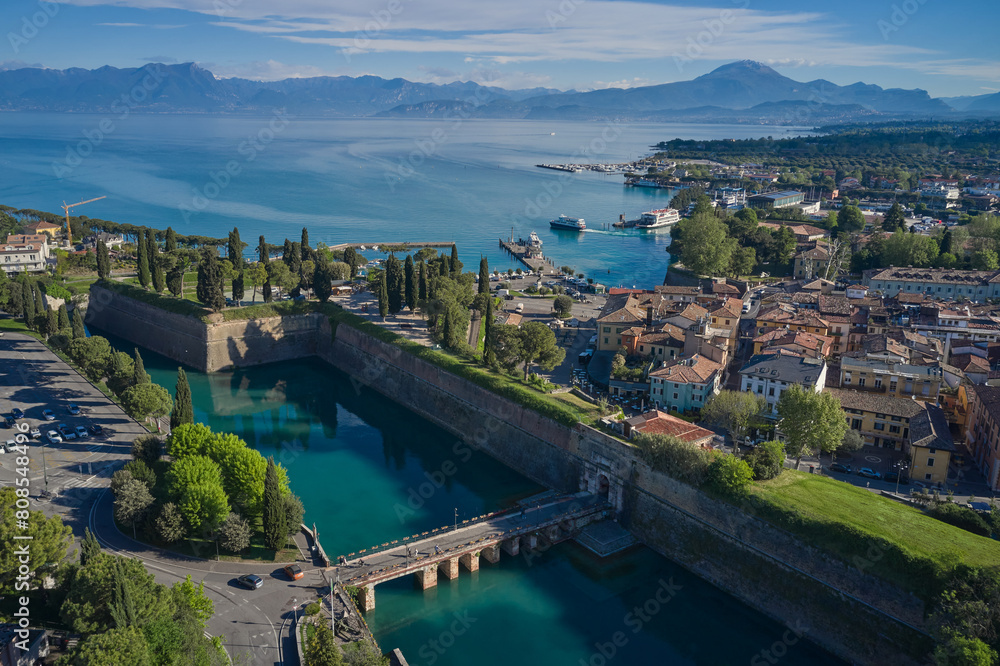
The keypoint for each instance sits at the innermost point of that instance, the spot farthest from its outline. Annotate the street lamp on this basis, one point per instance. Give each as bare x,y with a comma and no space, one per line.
456,518
902,467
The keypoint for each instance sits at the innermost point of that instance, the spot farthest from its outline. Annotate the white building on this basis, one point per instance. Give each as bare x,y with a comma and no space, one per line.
768,375
30,257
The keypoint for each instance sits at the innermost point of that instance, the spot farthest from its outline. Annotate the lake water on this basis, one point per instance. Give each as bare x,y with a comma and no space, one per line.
357,180
370,471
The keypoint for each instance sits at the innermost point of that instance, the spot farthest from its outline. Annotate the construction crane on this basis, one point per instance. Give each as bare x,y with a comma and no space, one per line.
69,236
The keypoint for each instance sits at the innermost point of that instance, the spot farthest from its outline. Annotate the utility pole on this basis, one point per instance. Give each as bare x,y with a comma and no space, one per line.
456,518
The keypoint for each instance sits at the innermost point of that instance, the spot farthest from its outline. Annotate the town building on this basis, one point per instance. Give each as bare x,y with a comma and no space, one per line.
655,422
684,384
812,262
16,258
43,227
982,434
768,375
891,377
775,199
934,282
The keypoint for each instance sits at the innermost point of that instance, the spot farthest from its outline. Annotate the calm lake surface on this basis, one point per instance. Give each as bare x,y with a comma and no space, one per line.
359,460
358,180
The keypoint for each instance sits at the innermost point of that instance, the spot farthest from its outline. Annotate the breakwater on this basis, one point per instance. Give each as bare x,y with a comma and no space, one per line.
854,615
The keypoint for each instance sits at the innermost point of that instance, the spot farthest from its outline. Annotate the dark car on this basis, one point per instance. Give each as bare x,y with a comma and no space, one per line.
837,467
96,430
16,414
8,422
869,473
895,477
250,581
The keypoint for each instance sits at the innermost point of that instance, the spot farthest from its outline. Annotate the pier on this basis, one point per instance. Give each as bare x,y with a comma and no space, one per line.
447,550
526,254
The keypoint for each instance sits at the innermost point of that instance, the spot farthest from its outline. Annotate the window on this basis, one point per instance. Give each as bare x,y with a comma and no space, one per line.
879,426
675,396
770,391
878,382
605,341
861,381
930,462
607,329
894,429
642,348
926,390
856,424
932,451
927,477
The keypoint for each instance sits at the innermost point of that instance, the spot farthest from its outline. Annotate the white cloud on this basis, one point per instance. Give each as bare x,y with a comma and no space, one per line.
267,70
157,26
484,76
19,64
634,82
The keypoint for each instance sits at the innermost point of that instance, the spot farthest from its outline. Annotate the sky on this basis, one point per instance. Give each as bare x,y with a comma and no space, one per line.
947,49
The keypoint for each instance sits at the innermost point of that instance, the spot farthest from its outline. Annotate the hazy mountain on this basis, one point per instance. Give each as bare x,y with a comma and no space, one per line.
741,92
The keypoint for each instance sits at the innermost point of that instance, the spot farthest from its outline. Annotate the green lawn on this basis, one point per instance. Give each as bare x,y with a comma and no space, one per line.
16,326
892,540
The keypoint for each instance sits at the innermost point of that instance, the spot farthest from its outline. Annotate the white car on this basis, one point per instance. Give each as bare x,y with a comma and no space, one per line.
54,437
36,433
81,432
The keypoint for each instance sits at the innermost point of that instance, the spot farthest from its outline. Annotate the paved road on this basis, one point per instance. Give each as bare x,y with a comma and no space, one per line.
33,378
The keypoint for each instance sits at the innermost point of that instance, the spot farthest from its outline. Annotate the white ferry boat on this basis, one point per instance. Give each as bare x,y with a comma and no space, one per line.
535,241
655,219
566,222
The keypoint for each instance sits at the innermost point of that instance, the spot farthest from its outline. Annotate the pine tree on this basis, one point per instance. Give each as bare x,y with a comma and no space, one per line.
263,255
484,276
422,286
142,256
103,261
275,530
183,411
210,280
235,256
455,266
79,332
28,302
409,283
304,252
139,374
63,317
489,355
170,241
383,297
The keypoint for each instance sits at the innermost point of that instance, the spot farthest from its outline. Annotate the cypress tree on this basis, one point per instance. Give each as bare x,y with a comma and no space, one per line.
79,332
296,266
410,283
423,281
265,260
322,283
275,530
39,300
489,356
235,256
210,280
455,266
351,259
286,253
484,276
139,374
383,297
394,283
175,279
51,323
16,304
444,265
159,277
183,411
152,248
170,240
103,261
89,547
143,258
63,317
304,252
28,302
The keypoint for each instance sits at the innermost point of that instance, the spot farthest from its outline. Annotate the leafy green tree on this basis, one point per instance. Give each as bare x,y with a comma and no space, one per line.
191,471
539,347
63,322
767,460
119,645
92,355
742,224
192,597
484,276
707,248
141,472
810,421
234,533
985,260
243,471
49,539
175,279
170,240
183,411
963,651
563,306
51,323
132,501
850,218
853,441
410,288
734,412
170,523
109,581
322,650
729,475
188,439
235,256
210,280
275,530
304,245
139,374
743,261
294,512
204,506
351,259
894,219
142,258
28,299
322,284
145,401
103,261
256,274
263,259
454,265
159,276
89,547
147,448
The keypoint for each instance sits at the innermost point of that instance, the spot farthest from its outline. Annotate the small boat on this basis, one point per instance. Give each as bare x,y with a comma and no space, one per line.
566,222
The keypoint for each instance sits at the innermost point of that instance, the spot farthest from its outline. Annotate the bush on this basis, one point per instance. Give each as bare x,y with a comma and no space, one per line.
960,516
669,455
767,460
169,303
313,608
147,448
729,475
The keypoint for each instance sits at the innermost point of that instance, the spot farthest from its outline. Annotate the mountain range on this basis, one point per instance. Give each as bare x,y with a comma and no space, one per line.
739,92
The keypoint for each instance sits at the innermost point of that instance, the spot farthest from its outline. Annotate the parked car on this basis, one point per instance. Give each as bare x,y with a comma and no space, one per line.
293,571
81,432
16,414
869,473
96,430
66,432
73,409
250,581
8,422
838,467
36,433
48,415
895,477
53,437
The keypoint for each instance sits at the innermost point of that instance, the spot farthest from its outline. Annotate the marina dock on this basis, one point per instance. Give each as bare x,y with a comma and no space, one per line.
528,255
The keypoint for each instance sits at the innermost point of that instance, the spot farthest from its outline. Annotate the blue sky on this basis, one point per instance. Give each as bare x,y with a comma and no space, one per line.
944,48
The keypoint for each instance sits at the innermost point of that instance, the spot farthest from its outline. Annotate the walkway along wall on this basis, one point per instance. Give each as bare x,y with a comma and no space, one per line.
840,607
